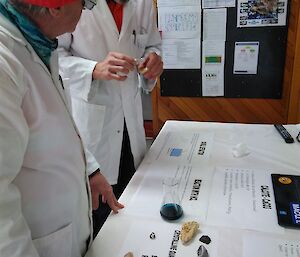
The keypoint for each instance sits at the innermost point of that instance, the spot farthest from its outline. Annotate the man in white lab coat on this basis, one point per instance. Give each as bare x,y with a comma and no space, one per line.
100,61
44,192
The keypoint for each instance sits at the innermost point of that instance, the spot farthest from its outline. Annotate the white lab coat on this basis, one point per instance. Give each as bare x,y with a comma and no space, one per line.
44,203
103,105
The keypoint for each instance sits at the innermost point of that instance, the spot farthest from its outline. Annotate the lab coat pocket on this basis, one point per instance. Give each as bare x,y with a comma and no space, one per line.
89,119
57,244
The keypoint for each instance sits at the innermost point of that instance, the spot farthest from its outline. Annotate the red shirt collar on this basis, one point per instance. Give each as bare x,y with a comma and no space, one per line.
117,12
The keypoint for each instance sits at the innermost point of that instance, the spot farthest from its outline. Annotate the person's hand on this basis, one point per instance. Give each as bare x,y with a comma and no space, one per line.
115,66
152,67
100,186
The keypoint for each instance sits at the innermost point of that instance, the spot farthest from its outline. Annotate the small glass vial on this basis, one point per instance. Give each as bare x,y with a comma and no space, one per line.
171,207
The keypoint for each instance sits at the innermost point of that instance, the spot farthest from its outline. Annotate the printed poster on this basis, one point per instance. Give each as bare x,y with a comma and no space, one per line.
180,28
246,57
213,68
260,13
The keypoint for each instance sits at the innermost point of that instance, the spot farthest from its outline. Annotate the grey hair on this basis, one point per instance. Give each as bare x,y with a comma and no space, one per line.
21,6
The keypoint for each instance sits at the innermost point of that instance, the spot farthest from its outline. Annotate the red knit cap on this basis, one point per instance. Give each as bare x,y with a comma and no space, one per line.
49,3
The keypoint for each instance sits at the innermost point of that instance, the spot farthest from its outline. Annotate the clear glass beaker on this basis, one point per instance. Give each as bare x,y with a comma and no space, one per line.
171,207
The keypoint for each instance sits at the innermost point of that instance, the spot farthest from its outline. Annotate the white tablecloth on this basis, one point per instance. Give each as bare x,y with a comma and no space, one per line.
130,229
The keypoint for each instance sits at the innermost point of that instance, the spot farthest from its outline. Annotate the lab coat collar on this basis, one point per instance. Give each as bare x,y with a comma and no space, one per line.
103,14
13,32
106,16
128,12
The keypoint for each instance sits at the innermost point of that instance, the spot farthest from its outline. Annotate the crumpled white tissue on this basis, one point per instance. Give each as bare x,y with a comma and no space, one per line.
240,150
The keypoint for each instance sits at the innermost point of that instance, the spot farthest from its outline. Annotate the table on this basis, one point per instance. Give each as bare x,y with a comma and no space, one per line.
205,151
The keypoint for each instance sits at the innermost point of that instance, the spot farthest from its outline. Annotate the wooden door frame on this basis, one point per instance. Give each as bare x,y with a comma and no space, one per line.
294,49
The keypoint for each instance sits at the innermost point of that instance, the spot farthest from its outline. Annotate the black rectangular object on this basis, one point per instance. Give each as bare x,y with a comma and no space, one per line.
184,83
287,198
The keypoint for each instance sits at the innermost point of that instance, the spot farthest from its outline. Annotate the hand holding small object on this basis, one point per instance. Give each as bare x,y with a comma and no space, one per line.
115,66
150,67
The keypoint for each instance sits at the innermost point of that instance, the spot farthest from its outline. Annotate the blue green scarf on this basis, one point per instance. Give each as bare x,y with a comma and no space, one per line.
42,45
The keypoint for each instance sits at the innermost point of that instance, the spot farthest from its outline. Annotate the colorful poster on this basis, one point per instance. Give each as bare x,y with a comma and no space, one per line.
259,13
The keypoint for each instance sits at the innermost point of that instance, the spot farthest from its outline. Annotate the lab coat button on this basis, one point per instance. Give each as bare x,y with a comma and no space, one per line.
118,131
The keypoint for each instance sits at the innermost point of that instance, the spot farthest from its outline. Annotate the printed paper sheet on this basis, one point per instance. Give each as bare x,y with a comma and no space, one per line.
262,246
246,57
243,198
213,61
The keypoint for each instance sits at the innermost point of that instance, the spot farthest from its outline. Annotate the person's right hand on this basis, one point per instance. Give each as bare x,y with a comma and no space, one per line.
115,66
100,186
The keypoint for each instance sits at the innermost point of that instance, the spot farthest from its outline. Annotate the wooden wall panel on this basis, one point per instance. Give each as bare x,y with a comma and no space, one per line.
294,66
243,110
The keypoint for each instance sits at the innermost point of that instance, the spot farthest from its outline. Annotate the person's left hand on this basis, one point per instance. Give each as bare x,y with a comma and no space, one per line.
100,186
152,67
